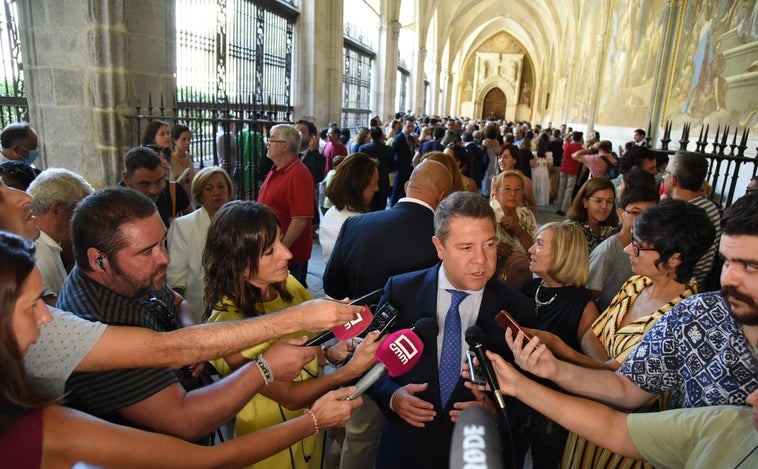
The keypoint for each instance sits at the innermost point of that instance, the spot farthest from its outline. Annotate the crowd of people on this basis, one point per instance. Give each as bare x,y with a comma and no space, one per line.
139,319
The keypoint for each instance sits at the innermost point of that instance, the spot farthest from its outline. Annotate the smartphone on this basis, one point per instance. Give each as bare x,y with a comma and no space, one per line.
384,318
474,371
505,320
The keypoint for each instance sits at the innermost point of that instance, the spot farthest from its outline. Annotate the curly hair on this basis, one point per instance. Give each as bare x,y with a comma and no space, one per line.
675,226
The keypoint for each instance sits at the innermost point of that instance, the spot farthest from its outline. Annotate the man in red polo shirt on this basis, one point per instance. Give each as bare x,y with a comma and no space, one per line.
288,190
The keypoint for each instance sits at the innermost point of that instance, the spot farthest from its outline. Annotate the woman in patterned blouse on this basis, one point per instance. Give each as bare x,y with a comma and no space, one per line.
667,241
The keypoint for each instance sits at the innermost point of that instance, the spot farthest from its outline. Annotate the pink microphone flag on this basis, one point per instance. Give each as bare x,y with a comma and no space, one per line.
400,352
356,326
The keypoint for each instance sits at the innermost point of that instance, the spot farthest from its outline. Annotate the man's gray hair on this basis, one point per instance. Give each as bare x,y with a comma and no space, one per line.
58,184
290,135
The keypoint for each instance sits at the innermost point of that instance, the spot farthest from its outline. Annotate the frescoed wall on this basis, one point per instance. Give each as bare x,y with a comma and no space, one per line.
586,58
715,76
635,35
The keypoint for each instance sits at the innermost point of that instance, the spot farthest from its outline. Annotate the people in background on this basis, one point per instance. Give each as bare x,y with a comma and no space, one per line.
351,191
593,210
182,164
609,266
211,189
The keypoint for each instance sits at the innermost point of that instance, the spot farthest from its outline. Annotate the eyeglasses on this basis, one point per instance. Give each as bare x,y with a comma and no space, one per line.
634,213
512,190
636,248
600,200
271,140
750,191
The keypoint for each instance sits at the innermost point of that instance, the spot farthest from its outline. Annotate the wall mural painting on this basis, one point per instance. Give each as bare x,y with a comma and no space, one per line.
579,96
715,77
626,86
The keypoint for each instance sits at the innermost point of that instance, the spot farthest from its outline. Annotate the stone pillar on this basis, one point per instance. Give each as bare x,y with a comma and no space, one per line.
318,65
436,89
671,12
86,63
384,92
417,100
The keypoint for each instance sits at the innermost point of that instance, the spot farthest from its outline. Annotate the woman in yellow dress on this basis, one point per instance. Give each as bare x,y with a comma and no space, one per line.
246,275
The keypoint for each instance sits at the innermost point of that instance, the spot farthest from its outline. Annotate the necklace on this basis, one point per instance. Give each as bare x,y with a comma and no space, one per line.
538,304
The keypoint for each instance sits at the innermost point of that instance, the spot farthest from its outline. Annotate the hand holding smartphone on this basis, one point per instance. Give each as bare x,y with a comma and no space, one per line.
505,320
477,377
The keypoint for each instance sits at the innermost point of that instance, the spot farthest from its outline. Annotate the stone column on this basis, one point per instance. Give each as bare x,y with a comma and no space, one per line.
384,92
417,100
318,65
86,63
671,12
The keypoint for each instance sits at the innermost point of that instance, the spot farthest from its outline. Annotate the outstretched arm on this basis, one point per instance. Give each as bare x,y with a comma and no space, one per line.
602,385
137,347
595,422
71,436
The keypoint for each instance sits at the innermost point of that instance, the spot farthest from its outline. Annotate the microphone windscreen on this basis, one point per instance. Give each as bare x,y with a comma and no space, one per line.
400,352
427,329
475,336
476,441
351,329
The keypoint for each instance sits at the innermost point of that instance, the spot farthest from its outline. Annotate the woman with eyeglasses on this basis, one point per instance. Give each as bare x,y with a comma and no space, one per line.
246,275
37,431
667,241
516,228
594,210
508,160
564,308
609,264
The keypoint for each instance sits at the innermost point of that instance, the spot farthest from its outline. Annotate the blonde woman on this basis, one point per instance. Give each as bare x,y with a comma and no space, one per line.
563,307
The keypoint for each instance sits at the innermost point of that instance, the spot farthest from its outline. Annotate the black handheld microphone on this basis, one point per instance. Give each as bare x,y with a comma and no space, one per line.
476,441
477,341
326,336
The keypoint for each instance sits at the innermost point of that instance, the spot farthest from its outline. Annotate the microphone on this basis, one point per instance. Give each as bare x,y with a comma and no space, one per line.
476,441
352,328
476,341
399,352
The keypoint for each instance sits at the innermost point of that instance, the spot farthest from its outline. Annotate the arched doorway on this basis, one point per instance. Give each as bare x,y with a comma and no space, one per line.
494,104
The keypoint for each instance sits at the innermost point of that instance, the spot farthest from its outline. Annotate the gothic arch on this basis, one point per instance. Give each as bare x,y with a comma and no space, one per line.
511,99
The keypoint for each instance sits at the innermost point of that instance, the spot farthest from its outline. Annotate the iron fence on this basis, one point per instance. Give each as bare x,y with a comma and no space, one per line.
230,136
13,103
725,160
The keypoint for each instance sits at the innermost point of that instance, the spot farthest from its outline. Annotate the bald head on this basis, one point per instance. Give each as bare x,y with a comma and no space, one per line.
430,181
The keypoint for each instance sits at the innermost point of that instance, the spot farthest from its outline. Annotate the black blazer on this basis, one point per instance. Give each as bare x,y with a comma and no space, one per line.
415,296
374,246
386,158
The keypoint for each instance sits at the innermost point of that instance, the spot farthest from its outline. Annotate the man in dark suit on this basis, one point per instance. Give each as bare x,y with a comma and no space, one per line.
369,249
378,150
421,406
374,246
312,158
404,146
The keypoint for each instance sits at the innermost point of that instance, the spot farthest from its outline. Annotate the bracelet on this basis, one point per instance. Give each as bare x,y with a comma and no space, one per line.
315,420
268,375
